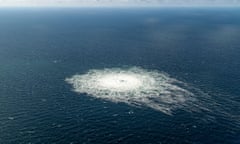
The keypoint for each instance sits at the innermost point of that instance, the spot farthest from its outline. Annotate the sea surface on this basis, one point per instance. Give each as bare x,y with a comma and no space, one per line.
41,47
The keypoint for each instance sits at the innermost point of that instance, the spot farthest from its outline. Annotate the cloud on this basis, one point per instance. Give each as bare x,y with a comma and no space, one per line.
115,2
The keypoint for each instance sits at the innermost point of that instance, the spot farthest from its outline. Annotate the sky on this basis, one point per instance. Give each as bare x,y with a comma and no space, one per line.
119,3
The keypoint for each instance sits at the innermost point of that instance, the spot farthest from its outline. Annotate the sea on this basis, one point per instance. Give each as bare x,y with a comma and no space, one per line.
41,47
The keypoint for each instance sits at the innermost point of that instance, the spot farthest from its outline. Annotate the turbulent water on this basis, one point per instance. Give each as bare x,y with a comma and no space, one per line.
126,75
134,86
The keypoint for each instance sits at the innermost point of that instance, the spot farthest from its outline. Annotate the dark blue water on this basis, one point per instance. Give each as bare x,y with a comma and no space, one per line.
39,48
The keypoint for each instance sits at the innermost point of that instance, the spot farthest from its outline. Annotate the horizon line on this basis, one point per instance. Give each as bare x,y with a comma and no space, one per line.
118,6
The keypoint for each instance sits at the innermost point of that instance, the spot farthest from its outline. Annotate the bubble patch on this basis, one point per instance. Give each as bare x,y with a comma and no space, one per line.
134,86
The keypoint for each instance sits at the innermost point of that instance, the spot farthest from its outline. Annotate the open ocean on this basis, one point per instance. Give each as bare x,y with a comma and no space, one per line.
41,47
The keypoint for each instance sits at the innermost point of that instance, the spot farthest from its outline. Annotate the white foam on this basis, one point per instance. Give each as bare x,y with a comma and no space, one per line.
134,86
119,82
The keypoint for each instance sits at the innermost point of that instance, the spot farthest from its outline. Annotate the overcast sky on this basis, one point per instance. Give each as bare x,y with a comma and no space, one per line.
119,2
